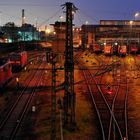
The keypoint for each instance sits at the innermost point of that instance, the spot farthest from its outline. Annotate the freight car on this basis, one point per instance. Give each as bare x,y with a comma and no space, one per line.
122,50
18,60
5,72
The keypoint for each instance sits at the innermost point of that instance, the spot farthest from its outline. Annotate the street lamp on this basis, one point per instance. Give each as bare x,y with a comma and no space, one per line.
47,31
131,22
136,14
130,35
116,43
104,43
86,22
61,18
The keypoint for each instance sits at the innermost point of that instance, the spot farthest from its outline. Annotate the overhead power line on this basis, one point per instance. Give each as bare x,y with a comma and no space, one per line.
83,13
55,14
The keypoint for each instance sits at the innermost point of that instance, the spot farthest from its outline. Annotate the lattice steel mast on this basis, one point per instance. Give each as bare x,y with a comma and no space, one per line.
69,95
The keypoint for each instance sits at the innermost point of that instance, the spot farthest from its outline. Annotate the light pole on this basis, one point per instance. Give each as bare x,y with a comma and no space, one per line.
131,22
136,15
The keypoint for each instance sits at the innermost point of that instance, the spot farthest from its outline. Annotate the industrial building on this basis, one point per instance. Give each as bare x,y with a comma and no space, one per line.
109,31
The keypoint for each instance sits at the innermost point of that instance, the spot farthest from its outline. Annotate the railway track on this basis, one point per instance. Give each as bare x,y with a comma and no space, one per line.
10,124
113,122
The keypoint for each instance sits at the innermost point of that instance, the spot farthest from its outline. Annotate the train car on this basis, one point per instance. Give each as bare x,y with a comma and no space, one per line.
108,50
18,59
97,48
133,48
115,48
122,50
5,72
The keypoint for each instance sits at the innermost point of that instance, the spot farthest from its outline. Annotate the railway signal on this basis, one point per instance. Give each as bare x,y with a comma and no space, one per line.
50,56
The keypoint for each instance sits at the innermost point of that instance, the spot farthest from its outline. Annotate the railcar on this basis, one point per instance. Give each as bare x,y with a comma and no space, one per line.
18,59
5,72
115,49
108,50
97,48
122,50
133,48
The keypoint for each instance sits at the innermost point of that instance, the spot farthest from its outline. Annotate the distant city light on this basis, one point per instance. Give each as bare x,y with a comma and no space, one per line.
9,40
19,32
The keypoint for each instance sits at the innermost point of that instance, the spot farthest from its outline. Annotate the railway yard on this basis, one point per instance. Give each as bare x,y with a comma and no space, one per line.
71,76
107,99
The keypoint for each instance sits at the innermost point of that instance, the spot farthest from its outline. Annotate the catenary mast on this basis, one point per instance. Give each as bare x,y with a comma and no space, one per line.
69,94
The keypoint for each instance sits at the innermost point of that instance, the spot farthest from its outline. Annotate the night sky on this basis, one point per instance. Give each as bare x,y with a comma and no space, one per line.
45,12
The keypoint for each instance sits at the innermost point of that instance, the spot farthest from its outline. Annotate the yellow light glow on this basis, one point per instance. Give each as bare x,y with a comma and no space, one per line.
47,31
131,22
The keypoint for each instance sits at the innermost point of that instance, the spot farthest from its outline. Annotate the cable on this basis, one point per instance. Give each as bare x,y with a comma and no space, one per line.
50,17
88,16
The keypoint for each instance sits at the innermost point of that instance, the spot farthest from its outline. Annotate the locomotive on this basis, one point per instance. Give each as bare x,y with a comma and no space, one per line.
108,50
18,60
122,50
133,48
97,48
5,72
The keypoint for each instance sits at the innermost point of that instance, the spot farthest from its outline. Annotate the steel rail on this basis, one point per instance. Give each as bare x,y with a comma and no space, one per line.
12,136
16,103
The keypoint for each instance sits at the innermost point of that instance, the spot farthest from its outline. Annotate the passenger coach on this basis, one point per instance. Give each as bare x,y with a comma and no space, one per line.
18,59
5,72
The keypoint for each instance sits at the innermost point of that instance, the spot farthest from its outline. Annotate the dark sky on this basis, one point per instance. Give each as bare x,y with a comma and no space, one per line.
46,12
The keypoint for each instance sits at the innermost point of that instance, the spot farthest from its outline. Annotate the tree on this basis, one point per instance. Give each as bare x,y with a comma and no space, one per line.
11,31
10,24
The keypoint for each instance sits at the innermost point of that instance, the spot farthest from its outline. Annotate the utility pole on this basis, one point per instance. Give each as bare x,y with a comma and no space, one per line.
69,95
53,101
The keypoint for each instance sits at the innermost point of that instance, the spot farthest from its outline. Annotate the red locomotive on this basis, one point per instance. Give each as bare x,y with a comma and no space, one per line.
108,50
97,48
18,59
5,72
122,50
133,48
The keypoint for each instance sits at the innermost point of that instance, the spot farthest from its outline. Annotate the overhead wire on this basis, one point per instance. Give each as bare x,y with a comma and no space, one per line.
51,17
86,16
37,17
